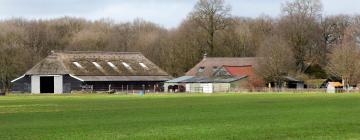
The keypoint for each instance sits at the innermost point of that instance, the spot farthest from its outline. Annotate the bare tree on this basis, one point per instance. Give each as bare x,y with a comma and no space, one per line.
300,26
333,29
275,60
344,59
212,16
10,66
14,56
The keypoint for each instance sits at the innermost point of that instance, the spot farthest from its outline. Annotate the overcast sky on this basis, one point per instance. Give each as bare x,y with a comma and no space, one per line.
168,13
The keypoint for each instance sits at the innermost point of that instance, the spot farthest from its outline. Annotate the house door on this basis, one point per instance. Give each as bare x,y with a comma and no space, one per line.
47,84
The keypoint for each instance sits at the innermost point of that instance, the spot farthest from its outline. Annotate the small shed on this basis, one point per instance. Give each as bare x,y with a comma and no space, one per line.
193,84
334,87
316,83
176,85
293,83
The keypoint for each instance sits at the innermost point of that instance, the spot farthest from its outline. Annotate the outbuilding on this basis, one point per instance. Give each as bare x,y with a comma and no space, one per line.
334,87
65,72
194,84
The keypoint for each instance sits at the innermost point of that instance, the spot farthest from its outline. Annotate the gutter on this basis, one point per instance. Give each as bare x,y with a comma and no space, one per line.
17,78
77,78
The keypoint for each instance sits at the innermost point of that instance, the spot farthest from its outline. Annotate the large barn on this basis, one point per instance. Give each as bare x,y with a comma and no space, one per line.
65,72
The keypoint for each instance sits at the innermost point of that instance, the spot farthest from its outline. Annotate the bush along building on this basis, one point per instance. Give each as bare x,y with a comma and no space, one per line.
65,72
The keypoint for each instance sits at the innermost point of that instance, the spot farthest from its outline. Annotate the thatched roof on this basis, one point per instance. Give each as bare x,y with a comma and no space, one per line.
124,78
50,65
210,64
63,63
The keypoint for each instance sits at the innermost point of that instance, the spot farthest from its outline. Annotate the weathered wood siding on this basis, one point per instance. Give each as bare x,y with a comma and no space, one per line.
22,85
71,84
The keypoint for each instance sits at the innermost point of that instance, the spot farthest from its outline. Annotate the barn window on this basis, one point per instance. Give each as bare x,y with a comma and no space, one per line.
77,64
144,66
127,66
201,69
97,65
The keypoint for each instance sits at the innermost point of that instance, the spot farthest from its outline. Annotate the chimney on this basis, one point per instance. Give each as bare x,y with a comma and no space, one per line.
205,55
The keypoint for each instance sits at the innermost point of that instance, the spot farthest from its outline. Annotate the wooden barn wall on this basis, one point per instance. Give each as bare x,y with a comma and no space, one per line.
22,85
71,84
129,87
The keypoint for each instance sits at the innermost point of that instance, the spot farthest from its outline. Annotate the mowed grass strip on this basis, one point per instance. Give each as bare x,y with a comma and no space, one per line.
218,116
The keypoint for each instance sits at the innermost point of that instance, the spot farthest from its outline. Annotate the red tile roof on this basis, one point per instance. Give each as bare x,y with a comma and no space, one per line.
238,71
217,62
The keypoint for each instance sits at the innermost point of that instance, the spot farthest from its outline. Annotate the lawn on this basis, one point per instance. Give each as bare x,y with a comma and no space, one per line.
187,117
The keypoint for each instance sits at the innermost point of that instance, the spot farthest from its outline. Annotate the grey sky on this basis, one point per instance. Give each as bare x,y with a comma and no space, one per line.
168,13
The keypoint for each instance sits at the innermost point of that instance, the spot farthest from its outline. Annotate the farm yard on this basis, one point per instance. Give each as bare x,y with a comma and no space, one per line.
187,70
185,116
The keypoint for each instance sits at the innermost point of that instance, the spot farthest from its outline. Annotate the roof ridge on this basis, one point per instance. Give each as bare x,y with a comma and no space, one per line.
112,52
236,65
230,57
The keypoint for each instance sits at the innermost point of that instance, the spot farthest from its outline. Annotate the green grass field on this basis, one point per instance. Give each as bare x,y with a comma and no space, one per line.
187,117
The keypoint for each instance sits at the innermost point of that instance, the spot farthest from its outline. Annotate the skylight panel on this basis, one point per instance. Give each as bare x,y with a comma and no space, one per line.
77,64
144,66
97,65
111,65
127,66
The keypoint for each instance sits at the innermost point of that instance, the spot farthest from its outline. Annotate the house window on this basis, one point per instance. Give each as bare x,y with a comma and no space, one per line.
77,64
97,65
127,66
201,69
144,66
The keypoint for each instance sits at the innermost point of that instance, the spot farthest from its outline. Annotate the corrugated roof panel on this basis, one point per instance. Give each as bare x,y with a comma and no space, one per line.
180,79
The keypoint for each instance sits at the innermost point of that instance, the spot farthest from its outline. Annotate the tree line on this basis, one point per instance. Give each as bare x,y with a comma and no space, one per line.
301,41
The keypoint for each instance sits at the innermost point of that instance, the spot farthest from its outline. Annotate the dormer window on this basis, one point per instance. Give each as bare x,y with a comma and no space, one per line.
215,68
77,64
201,69
144,66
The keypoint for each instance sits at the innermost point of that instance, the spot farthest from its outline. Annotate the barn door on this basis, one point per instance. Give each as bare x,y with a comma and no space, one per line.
47,84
